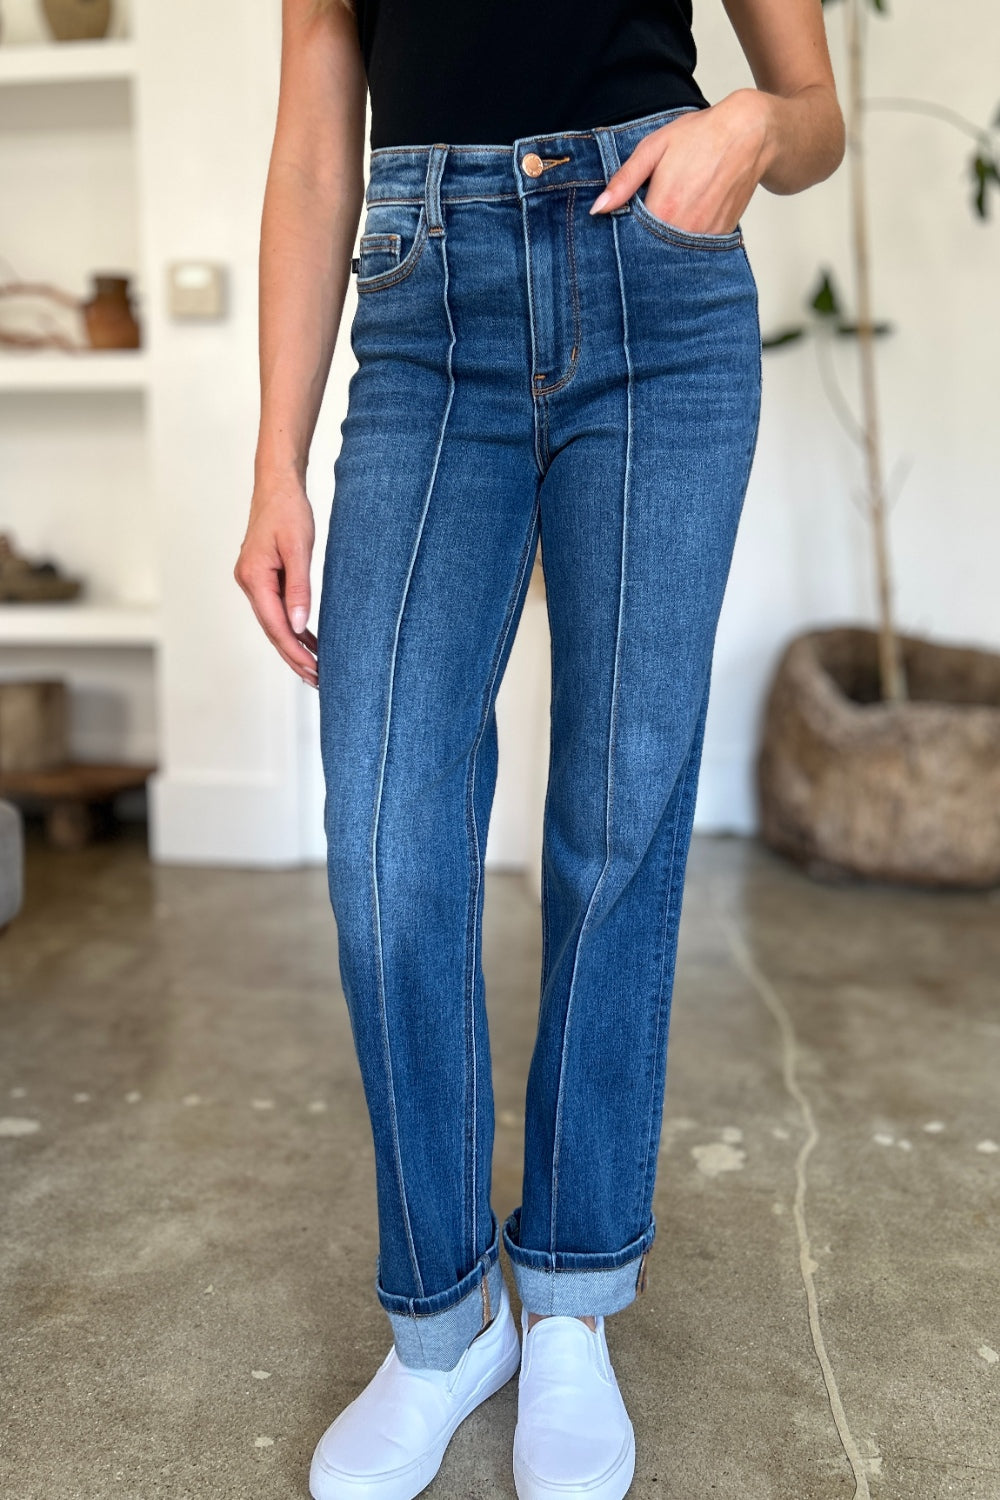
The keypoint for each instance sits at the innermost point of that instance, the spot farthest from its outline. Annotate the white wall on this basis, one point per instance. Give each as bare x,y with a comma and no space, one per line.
229,790
802,556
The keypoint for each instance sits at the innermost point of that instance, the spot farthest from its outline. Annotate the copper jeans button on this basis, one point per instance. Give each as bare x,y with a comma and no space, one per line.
532,164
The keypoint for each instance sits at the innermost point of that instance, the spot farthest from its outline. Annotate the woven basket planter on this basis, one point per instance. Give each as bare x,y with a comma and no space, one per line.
851,786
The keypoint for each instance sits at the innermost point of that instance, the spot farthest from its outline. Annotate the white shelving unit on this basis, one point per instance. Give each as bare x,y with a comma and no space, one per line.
53,62
71,623
133,471
73,426
108,370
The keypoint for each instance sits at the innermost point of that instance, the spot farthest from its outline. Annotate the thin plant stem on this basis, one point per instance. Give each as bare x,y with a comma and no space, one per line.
833,391
891,674
934,111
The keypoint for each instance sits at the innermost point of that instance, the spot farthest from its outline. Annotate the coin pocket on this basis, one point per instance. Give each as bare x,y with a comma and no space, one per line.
377,253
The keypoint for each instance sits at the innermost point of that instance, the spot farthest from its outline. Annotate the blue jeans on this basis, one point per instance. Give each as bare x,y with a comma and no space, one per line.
525,370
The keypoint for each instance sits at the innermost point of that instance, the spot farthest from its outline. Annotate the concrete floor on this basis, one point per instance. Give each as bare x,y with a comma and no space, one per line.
187,1233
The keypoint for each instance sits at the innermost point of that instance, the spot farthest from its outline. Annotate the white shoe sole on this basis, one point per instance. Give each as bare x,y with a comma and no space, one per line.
612,1485
404,1484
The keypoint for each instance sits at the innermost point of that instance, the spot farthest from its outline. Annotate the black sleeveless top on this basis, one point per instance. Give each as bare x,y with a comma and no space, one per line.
485,72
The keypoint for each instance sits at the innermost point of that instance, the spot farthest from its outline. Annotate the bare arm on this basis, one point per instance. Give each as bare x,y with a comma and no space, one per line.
787,133
312,204
784,42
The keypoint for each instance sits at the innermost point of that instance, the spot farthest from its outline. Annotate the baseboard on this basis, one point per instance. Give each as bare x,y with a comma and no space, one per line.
223,819
726,800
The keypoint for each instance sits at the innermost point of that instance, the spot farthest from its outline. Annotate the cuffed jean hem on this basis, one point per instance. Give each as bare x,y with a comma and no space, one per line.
432,1333
571,1284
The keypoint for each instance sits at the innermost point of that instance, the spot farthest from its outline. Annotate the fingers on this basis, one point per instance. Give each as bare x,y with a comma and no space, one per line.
296,596
296,590
262,586
269,607
632,173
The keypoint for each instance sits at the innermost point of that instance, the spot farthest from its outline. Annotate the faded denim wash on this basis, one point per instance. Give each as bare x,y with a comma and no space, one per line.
524,369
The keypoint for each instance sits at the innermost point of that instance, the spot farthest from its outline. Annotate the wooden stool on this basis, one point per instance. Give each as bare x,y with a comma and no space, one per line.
78,797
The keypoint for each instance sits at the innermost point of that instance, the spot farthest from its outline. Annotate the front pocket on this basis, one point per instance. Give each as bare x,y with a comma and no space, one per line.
378,253
686,237
394,236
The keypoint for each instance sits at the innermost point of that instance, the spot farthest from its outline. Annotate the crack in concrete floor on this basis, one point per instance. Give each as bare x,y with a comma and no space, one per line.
808,1267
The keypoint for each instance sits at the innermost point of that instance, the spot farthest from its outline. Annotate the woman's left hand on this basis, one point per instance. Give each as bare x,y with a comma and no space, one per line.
703,167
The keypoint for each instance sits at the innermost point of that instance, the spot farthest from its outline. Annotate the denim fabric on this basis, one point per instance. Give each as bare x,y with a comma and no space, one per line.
524,369
425,1338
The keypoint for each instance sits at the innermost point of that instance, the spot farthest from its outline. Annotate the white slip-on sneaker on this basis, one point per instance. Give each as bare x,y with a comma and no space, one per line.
389,1443
573,1435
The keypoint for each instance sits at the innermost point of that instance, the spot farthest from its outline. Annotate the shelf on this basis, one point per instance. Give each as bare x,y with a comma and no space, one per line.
52,62
109,370
69,622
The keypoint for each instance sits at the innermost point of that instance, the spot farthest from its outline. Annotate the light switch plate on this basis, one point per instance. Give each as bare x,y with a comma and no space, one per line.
196,289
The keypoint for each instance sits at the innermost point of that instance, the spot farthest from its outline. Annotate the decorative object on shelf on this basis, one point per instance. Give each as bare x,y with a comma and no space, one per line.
77,20
34,719
853,785
108,315
78,798
44,335
23,581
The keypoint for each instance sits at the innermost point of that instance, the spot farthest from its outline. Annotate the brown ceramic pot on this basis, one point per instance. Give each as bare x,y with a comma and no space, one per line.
108,316
909,792
77,20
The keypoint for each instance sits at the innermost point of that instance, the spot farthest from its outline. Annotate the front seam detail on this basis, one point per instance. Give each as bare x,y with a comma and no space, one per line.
471,815
378,809
557,1142
668,903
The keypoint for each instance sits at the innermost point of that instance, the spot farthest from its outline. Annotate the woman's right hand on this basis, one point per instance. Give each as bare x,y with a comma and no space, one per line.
273,569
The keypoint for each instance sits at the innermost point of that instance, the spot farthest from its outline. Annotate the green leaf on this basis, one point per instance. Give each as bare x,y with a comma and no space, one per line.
985,175
824,299
878,5
979,182
783,336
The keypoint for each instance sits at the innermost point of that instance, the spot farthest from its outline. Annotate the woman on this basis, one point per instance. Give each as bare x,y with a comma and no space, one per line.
557,345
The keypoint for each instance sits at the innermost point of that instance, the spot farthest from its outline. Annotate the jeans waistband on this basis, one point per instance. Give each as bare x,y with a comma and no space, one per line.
442,173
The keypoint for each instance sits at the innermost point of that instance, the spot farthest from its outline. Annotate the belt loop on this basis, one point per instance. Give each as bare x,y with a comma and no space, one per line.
608,147
432,189
610,160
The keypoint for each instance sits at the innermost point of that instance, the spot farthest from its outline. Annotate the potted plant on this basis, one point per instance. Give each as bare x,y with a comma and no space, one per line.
880,754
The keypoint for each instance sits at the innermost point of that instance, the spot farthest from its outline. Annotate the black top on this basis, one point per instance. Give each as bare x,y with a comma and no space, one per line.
486,72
